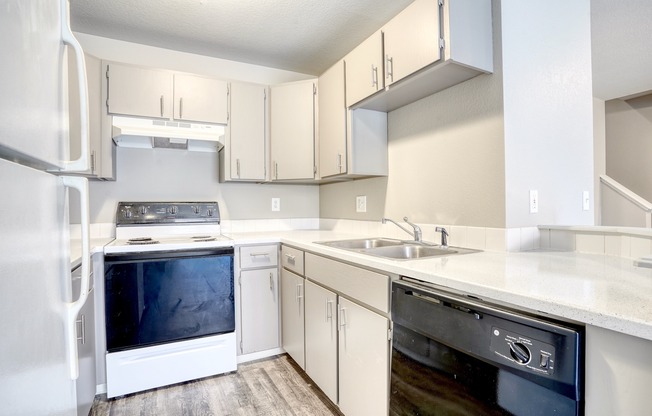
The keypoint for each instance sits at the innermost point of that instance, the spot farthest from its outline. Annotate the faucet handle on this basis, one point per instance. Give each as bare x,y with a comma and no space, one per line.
444,235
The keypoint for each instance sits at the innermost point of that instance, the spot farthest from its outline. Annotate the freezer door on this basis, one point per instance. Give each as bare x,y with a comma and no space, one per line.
33,85
34,288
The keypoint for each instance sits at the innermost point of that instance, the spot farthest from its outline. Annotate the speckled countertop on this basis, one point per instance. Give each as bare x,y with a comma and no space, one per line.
608,292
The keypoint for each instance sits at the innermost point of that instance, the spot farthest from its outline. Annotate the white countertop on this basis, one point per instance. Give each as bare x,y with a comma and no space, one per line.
608,292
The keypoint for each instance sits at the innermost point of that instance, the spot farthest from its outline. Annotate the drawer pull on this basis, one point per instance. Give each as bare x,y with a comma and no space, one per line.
259,254
291,258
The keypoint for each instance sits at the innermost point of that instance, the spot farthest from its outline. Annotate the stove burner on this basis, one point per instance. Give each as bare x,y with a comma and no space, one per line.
141,241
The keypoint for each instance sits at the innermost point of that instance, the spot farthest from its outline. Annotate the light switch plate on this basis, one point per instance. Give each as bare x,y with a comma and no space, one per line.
361,203
276,204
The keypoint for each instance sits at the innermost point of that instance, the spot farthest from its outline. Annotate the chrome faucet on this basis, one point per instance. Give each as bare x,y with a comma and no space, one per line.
444,236
417,230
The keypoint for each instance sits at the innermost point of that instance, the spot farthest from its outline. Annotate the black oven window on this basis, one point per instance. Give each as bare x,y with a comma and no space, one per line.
150,302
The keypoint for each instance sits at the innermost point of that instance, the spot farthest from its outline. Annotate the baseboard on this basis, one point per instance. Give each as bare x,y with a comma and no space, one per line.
260,354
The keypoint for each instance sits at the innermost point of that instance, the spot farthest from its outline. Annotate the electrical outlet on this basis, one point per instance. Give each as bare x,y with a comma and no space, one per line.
276,204
534,201
586,202
361,203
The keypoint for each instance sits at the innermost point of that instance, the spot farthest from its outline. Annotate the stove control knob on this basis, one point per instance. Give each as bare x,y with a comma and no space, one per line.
196,210
209,212
519,352
173,210
142,210
127,214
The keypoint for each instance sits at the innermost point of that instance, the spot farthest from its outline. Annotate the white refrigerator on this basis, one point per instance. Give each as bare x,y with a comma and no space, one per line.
38,310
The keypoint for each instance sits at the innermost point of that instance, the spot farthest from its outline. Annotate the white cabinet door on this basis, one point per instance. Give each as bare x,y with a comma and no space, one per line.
293,316
138,91
321,338
101,163
363,360
293,131
411,40
364,69
332,122
200,99
247,131
259,309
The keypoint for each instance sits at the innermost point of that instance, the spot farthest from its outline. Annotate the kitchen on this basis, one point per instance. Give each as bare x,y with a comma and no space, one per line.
430,138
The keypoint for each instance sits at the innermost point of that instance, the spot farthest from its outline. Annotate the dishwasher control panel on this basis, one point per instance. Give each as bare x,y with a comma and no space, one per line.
520,351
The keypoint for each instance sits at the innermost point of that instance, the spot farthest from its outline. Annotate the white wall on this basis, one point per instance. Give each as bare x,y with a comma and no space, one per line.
163,174
548,109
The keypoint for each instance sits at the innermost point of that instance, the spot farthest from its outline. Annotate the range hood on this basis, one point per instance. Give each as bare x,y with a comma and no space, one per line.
147,134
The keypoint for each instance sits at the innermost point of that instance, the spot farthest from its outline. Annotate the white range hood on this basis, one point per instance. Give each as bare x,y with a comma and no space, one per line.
147,134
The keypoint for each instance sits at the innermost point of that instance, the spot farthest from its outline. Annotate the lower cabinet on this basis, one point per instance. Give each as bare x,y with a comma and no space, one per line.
259,310
363,360
257,294
321,338
292,302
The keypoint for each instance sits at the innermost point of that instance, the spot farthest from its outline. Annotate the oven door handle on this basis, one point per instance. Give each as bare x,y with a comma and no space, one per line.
73,308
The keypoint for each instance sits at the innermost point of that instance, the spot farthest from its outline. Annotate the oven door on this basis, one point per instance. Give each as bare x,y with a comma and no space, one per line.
159,297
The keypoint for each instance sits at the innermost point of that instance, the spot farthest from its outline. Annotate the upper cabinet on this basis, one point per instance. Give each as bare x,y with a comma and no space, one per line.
411,40
293,131
352,143
245,153
364,69
137,91
200,99
332,122
102,150
430,46
157,93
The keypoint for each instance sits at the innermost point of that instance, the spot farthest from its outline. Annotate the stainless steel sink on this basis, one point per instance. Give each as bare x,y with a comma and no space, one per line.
363,243
396,249
411,251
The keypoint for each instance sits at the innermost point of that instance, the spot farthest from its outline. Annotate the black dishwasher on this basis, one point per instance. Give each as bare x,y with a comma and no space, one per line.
457,355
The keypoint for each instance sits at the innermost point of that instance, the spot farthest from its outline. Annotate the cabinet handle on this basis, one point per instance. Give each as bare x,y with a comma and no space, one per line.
339,162
181,107
162,105
237,167
329,309
275,170
389,65
299,295
342,317
259,254
290,258
271,281
93,161
82,324
374,76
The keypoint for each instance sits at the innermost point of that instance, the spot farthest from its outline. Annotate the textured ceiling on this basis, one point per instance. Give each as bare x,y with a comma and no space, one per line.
304,36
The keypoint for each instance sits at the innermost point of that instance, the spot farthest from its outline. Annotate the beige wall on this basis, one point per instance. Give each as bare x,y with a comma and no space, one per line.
629,143
446,159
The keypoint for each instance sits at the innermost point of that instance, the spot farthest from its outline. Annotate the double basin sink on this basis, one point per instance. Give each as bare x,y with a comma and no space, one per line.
396,249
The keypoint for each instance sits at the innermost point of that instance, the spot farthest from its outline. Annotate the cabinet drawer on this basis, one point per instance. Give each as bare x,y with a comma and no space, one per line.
292,259
258,256
361,284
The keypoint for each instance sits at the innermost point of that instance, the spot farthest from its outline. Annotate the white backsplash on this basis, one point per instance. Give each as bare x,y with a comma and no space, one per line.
611,241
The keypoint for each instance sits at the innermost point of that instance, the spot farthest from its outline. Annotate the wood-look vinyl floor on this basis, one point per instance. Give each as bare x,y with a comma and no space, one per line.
270,387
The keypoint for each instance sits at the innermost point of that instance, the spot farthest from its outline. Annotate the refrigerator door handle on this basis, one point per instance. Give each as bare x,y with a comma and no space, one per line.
74,307
81,164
